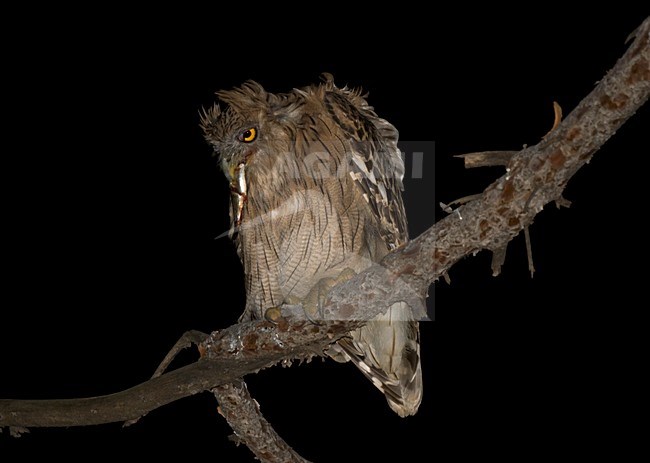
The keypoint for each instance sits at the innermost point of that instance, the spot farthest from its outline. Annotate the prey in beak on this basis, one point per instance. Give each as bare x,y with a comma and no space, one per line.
238,191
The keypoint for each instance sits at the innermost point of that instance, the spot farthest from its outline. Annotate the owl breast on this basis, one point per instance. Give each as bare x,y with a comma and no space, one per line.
315,232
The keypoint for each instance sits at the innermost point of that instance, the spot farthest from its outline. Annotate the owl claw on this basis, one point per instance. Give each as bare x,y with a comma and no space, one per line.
311,306
316,299
273,314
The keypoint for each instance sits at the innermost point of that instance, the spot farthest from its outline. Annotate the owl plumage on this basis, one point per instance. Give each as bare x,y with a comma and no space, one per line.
316,180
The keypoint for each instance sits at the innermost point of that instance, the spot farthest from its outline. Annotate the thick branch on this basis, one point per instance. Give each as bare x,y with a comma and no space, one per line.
243,414
125,405
229,354
537,175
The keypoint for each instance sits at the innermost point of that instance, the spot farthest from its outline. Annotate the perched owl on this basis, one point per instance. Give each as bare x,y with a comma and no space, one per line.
316,180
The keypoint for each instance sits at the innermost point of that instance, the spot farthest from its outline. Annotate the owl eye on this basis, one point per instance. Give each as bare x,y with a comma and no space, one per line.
248,135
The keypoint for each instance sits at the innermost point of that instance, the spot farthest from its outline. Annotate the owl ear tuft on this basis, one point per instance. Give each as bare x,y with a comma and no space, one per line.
208,121
208,117
249,97
328,81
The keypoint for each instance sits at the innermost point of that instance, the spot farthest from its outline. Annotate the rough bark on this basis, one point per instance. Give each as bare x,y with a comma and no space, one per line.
251,428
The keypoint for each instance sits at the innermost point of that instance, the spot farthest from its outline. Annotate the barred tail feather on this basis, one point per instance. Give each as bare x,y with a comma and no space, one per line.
387,351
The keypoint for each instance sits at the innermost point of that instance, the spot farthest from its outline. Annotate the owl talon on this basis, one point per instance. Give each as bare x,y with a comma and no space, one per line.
273,314
316,298
313,320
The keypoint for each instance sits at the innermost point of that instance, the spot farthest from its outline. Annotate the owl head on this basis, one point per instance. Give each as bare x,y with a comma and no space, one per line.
252,137
254,127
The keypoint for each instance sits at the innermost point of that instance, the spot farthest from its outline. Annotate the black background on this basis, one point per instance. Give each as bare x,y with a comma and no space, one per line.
111,202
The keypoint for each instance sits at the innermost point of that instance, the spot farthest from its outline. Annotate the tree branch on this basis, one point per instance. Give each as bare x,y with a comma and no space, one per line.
486,158
243,414
535,176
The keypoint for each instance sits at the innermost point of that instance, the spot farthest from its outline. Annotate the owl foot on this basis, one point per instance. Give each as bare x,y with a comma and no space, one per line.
315,300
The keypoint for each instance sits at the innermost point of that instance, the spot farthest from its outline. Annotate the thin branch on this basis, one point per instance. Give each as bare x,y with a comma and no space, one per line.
189,338
498,258
502,158
529,252
486,158
557,111
537,176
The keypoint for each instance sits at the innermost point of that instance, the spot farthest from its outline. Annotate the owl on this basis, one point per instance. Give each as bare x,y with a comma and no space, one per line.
316,180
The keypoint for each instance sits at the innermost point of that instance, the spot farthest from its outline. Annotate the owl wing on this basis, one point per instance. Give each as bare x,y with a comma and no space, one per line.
377,166
387,348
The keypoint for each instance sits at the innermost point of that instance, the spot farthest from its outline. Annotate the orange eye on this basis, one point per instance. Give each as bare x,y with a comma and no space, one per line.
248,135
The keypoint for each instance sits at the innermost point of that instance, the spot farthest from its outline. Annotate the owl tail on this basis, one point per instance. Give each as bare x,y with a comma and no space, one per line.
387,351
